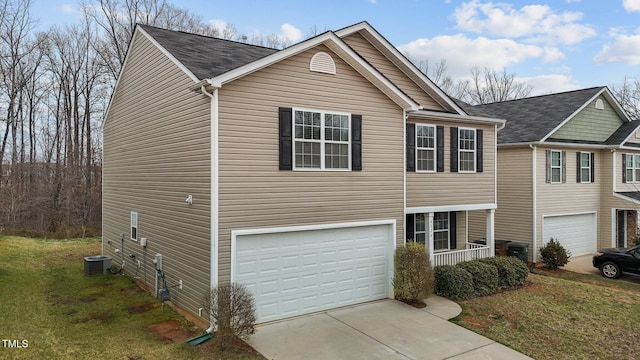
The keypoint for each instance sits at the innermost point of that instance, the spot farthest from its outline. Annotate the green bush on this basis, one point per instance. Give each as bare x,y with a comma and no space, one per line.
512,272
453,282
485,277
554,255
413,277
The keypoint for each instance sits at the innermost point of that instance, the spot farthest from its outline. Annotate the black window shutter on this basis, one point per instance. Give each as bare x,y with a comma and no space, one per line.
624,168
548,166
579,168
454,149
356,142
440,148
286,161
409,226
479,149
564,167
452,230
411,147
592,162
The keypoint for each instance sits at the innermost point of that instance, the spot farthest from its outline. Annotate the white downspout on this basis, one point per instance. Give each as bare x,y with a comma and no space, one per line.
404,179
614,220
214,191
534,192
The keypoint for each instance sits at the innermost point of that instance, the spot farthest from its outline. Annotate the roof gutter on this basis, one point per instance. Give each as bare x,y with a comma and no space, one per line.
456,117
559,144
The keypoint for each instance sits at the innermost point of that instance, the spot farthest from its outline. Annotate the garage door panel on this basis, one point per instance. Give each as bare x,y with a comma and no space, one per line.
302,272
576,233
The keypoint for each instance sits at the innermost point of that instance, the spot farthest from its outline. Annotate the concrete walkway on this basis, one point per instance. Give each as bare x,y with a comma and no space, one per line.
386,329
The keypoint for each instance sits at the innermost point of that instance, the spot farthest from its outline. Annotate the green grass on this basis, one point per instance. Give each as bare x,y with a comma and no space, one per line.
46,300
564,316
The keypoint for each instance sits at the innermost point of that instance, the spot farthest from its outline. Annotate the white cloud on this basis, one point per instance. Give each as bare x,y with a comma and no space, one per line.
69,9
551,83
463,53
218,24
631,5
625,48
537,23
290,32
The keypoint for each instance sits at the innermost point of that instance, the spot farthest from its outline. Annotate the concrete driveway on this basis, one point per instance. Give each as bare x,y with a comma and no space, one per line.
581,264
385,329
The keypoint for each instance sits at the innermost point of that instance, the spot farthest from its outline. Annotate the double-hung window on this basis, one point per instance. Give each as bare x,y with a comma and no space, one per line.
441,231
632,168
556,167
134,226
426,148
321,140
420,229
467,150
585,167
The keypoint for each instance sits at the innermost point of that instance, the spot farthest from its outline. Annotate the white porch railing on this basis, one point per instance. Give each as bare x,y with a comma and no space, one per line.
472,252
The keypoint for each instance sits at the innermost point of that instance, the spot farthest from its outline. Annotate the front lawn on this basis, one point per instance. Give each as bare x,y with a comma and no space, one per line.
564,316
49,310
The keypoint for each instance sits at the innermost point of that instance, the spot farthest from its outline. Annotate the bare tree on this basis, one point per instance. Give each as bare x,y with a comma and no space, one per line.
628,94
488,85
117,19
437,73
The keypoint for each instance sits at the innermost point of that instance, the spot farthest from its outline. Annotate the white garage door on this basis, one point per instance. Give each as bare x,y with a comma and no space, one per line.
576,233
294,273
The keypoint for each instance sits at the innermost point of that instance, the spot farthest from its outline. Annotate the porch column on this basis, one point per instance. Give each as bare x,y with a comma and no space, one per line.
430,237
490,231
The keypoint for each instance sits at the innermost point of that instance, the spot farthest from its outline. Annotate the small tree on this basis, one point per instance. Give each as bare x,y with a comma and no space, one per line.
232,307
554,255
413,279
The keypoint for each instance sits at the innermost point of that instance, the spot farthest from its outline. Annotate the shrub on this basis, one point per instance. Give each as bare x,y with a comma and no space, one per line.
512,272
453,282
554,255
485,277
413,277
232,307
636,240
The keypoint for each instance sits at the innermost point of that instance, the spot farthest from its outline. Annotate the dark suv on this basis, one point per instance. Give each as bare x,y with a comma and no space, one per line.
613,262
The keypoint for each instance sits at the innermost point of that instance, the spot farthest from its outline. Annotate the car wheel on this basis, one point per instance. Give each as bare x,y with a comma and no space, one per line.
610,270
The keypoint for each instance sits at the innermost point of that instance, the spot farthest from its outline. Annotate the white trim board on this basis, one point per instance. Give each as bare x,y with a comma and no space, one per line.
448,208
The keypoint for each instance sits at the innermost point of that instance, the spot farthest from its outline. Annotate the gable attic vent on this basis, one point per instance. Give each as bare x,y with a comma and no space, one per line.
599,104
322,62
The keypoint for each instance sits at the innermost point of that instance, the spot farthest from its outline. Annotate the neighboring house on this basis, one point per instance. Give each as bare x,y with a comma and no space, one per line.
289,171
568,169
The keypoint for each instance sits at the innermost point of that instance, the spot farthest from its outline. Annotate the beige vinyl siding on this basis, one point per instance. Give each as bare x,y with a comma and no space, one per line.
156,153
621,186
612,164
365,49
255,194
513,219
449,188
568,198
634,138
514,215
591,124
477,224
461,230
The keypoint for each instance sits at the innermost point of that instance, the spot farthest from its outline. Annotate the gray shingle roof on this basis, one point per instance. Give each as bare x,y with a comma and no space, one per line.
622,133
204,56
531,119
635,195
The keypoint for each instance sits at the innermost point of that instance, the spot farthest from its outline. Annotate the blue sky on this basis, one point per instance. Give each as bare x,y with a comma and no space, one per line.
554,45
